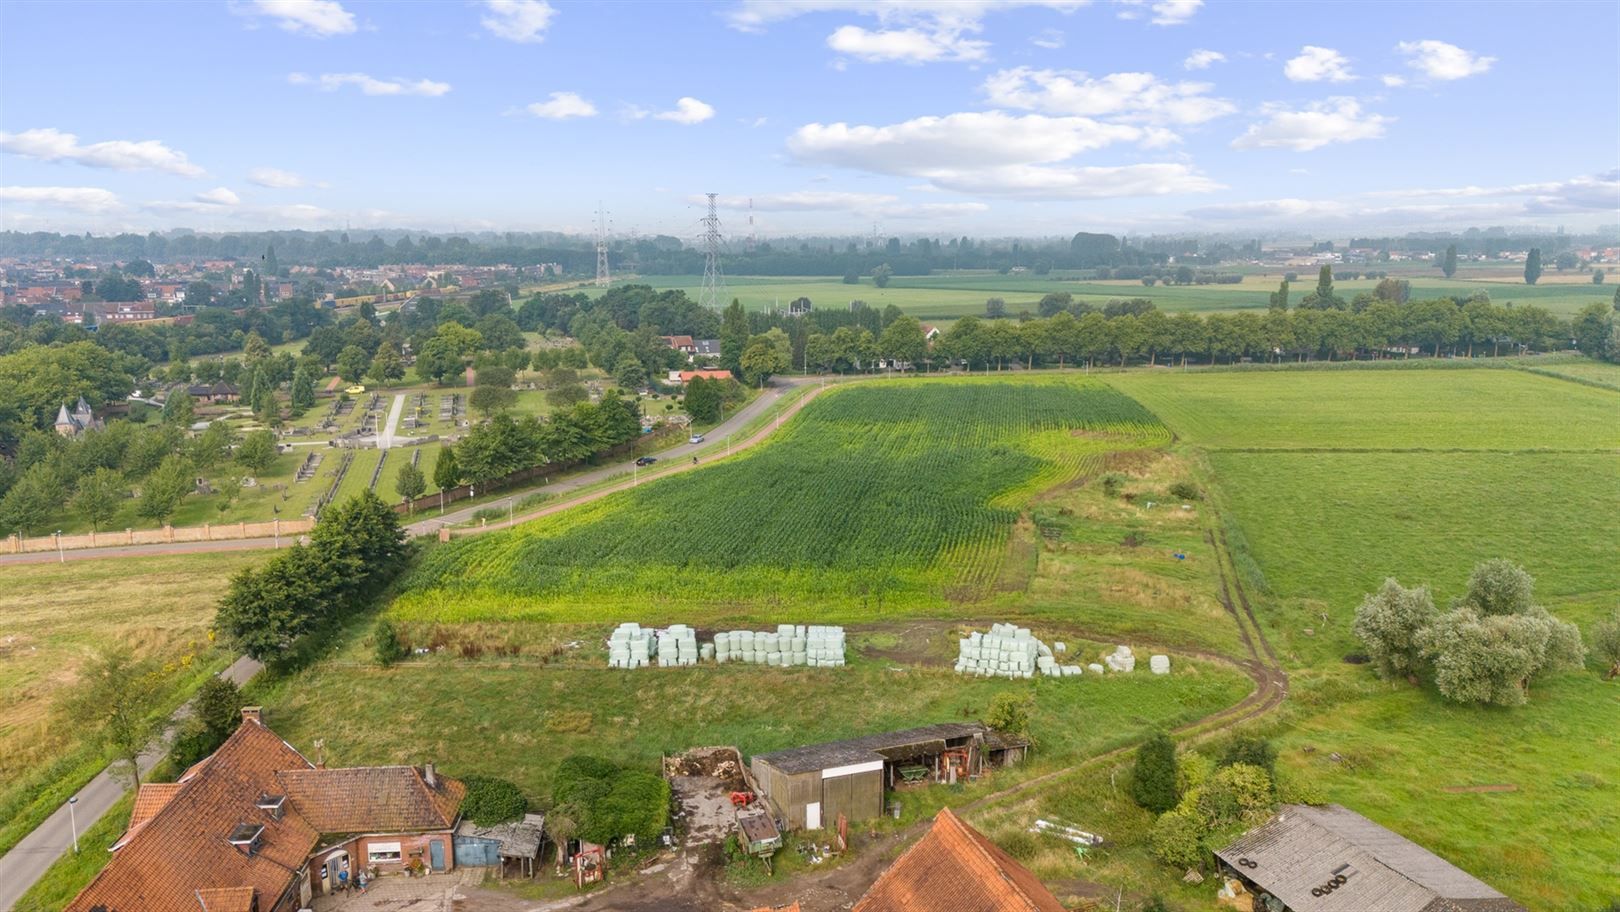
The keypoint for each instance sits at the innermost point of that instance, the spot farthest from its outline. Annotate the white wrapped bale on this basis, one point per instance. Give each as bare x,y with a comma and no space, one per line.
1159,664
1094,668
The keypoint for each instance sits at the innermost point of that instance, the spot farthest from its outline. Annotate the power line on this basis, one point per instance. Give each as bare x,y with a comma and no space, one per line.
713,281
603,277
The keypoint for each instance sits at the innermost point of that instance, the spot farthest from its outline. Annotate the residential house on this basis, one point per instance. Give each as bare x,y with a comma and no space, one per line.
1331,859
707,374
707,348
76,422
954,868
682,344
126,312
218,391
257,827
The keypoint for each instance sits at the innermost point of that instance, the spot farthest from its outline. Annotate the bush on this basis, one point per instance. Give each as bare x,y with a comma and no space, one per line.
611,801
1192,770
1185,490
490,801
386,642
1606,645
1391,624
1236,794
1153,779
1113,483
1253,751
1177,839
1009,712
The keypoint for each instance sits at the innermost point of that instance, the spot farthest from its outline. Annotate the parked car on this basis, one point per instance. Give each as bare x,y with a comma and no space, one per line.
646,460
696,438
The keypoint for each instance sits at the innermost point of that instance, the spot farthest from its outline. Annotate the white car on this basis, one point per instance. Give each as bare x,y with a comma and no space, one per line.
696,438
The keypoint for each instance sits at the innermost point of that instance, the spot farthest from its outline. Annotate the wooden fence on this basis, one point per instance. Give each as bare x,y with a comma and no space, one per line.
289,528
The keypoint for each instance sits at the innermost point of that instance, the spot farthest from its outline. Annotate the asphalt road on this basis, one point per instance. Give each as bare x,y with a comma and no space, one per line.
28,860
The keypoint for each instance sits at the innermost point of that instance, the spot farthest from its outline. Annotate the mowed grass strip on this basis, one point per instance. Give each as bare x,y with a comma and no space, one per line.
1372,409
882,493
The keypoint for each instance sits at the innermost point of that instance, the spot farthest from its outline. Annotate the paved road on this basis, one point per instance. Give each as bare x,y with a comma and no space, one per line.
28,860
386,439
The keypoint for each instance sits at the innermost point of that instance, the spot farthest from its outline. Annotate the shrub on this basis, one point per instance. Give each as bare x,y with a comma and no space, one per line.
1113,483
1606,644
1235,794
386,642
1153,779
490,801
1253,751
1185,490
610,802
1177,839
1390,623
1192,770
218,707
1009,712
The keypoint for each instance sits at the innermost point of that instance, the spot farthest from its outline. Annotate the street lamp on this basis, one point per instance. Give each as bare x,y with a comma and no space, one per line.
73,821
60,557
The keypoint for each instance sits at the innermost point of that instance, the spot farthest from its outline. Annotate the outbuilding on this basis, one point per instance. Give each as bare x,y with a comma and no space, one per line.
808,787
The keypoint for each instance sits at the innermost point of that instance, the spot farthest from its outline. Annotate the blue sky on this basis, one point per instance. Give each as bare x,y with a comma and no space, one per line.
973,118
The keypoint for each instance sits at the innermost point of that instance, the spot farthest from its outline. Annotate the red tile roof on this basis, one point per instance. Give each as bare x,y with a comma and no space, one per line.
149,799
226,899
955,869
707,374
369,799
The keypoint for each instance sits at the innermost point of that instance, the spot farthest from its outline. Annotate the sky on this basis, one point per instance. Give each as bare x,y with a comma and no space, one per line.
1019,118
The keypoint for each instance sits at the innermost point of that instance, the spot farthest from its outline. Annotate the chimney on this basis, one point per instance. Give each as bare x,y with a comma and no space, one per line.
427,773
253,714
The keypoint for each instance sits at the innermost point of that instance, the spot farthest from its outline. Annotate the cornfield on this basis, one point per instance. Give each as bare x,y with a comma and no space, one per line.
874,493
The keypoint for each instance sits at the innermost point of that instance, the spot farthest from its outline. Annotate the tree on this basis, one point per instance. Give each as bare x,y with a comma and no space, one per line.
703,399
1593,328
1177,839
1390,624
115,704
257,452
1153,778
1606,645
386,366
995,308
99,496
446,473
1257,752
733,336
1597,277
1493,658
1566,260
1010,712
629,373
1532,266
163,490
1499,586
303,391
852,278
569,394
499,332
265,611
212,446
255,350
881,275
362,536
33,500
1279,298
352,363
1054,303
488,400
1395,291
409,484
386,646
491,801
179,408
904,341
1448,264
218,707
761,360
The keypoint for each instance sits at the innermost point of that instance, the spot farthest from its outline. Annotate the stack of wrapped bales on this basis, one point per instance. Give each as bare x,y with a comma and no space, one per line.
1121,659
787,646
677,646
631,647
1008,651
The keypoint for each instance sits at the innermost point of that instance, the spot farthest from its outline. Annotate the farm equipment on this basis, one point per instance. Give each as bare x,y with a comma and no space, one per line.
742,799
757,833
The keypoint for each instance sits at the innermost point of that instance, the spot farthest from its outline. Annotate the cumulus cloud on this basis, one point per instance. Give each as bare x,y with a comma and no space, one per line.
1160,12
219,196
1322,123
1392,80
1137,97
1318,64
687,111
562,106
905,45
316,18
523,21
370,85
93,200
276,179
1597,193
1202,59
50,144
1442,61
1266,209
1051,39
995,154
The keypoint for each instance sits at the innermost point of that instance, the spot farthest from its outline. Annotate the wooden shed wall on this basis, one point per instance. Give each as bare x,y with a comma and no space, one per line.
789,793
857,797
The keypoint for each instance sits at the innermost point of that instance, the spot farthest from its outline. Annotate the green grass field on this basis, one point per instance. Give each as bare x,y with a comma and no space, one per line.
883,497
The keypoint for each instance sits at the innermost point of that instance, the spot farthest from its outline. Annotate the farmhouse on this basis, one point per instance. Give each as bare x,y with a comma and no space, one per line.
686,376
682,344
955,869
810,786
1331,859
256,827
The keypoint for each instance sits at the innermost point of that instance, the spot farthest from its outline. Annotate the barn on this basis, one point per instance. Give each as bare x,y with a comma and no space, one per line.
808,787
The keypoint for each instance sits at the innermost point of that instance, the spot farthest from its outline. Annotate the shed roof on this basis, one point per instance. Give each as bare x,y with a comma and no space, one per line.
955,869
867,748
518,838
1303,848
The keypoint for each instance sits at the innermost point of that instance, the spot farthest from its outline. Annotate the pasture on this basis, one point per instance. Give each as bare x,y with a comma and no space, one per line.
889,496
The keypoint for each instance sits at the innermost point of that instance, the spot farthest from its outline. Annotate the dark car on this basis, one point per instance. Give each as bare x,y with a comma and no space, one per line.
646,460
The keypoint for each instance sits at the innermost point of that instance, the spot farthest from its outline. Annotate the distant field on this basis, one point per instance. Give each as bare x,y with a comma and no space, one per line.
877,496
1378,409
946,297
1590,371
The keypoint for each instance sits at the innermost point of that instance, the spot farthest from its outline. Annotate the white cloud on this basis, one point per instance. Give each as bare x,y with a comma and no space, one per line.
561,106
1129,96
317,18
878,204
1201,59
1598,193
1266,209
1392,80
1315,64
905,45
93,200
276,179
370,85
1051,39
219,196
996,154
50,144
1162,12
1321,123
687,111
1439,60
523,21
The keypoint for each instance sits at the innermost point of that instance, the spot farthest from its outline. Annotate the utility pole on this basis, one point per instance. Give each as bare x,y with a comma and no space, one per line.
713,280
603,278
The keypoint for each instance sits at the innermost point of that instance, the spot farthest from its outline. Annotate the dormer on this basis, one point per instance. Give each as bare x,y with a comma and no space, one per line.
246,837
273,805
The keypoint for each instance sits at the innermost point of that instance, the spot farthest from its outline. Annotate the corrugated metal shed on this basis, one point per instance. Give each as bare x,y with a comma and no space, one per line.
871,747
1305,849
